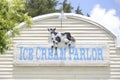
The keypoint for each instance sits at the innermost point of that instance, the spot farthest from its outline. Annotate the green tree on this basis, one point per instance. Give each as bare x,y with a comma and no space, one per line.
39,7
11,15
67,7
88,15
78,11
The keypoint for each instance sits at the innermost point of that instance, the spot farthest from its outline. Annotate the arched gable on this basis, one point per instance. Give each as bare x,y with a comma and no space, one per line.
83,29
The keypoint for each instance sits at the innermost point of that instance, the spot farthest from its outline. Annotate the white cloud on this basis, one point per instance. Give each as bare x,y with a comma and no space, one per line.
106,18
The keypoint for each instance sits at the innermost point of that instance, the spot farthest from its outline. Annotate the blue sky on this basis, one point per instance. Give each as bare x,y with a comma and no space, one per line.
88,5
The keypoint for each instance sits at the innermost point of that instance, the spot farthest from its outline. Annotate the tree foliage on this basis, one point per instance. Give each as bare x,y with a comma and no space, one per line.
67,7
11,14
79,11
88,15
39,7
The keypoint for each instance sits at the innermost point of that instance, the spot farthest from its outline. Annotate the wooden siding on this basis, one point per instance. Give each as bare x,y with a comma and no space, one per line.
83,31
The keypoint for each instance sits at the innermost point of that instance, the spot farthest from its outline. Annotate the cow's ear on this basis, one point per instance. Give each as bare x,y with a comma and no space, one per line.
54,29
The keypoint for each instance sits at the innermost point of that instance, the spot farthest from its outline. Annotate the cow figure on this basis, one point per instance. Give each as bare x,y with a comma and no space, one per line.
57,37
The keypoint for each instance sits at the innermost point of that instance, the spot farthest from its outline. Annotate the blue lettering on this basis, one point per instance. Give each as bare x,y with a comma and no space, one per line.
62,53
50,54
82,54
87,54
43,54
25,53
56,55
71,52
76,55
30,54
21,53
94,54
100,56
38,53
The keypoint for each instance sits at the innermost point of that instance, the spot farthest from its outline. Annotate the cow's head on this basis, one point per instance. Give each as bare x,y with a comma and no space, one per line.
51,31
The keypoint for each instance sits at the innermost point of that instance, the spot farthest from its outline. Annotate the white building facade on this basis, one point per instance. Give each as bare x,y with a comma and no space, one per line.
88,34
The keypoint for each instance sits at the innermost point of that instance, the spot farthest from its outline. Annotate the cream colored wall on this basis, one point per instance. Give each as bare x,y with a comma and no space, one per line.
83,31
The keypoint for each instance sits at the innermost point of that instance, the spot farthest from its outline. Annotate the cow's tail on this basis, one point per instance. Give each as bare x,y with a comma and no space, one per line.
73,39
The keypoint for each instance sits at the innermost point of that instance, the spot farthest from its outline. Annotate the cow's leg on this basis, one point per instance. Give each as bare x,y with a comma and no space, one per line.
56,45
52,46
66,41
69,44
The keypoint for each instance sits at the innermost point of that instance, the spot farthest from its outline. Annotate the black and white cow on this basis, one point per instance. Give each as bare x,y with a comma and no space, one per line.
57,37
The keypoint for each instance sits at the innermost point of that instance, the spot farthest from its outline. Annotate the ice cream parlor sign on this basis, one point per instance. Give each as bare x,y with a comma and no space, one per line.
79,54
85,55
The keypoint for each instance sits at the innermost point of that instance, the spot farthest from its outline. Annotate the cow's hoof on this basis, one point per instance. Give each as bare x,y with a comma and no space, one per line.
65,43
69,45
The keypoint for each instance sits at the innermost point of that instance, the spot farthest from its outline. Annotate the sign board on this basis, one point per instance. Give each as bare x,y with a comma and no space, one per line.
83,54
